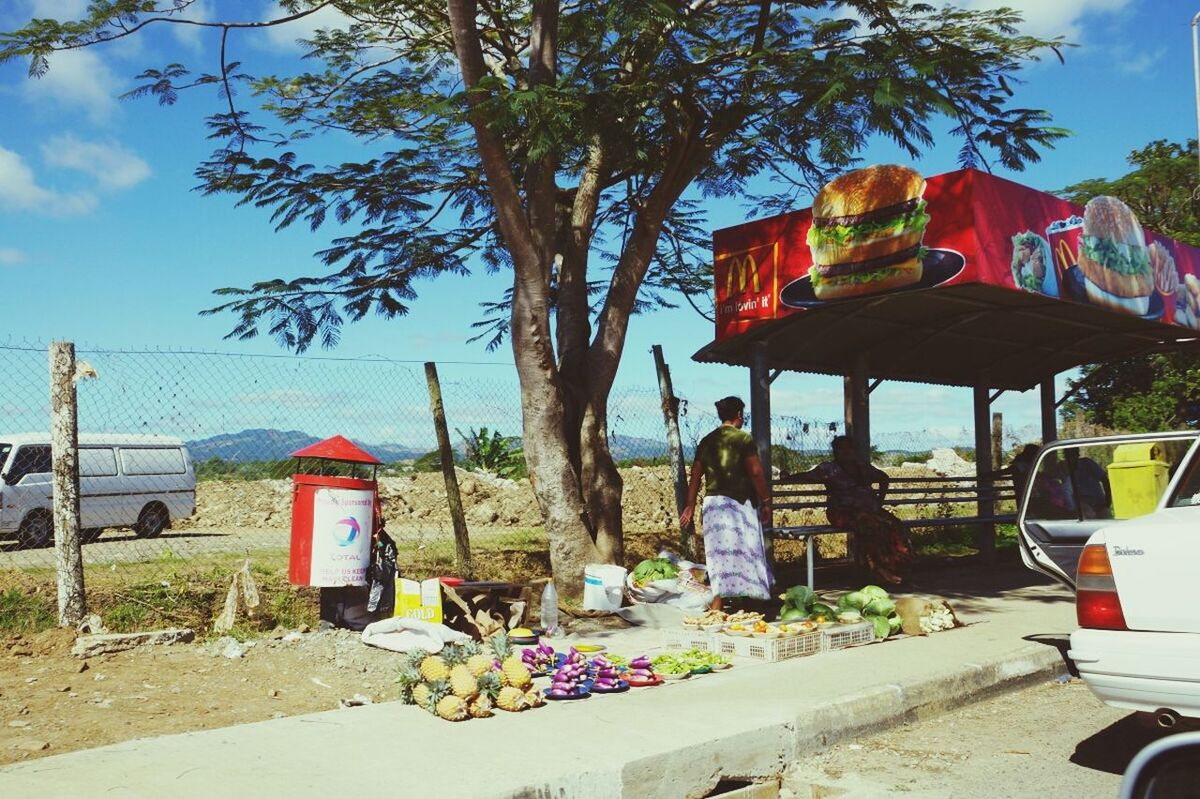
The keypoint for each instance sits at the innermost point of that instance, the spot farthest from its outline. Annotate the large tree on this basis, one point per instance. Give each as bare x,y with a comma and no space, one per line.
569,143
1159,391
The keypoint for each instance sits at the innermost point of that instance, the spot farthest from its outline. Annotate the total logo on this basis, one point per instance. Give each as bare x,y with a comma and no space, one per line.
346,531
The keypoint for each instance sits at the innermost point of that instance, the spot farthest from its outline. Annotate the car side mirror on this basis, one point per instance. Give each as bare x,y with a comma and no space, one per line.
1168,768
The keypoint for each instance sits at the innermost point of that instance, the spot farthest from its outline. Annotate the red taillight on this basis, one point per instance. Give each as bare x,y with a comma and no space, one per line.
1097,605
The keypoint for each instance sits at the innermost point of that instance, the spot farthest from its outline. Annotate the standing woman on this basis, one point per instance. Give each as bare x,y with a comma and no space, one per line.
736,508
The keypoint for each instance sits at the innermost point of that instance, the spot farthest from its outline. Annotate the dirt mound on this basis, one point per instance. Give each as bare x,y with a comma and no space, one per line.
417,503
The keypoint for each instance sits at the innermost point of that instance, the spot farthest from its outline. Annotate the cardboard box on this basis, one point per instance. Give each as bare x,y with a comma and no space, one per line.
419,600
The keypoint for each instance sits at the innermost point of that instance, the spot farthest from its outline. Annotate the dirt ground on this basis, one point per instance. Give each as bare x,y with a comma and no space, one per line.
53,702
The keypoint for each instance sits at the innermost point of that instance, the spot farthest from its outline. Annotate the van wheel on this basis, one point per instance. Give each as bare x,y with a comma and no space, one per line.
90,535
152,521
36,531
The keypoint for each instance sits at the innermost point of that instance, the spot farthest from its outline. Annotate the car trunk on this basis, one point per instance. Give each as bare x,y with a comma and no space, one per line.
1154,562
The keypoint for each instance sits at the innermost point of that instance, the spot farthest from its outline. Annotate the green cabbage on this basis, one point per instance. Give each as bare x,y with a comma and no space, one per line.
654,569
852,601
873,592
880,607
800,596
894,623
882,628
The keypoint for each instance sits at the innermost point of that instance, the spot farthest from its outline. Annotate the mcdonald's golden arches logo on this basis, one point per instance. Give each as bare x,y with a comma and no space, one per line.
742,268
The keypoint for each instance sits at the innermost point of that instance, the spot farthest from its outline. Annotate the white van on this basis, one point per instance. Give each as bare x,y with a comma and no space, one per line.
137,481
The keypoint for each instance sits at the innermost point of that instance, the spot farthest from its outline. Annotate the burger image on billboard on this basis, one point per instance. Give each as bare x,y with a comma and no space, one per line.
866,232
1113,257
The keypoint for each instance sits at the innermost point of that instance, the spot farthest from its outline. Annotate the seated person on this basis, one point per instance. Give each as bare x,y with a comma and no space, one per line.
855,504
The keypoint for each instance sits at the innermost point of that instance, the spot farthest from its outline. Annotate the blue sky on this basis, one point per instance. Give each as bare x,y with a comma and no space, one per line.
103,241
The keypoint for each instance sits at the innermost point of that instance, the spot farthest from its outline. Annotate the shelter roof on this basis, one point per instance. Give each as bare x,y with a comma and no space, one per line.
1014,285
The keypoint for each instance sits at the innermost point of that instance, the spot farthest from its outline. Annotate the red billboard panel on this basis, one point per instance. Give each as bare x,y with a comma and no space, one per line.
885,229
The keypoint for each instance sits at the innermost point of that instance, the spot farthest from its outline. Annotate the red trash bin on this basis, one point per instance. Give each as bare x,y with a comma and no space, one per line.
333,516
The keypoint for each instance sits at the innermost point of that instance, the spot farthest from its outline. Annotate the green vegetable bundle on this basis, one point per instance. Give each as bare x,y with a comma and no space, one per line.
875,606
653,569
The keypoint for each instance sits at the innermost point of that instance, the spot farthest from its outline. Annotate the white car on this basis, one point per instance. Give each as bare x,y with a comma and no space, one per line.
137,481
1133,558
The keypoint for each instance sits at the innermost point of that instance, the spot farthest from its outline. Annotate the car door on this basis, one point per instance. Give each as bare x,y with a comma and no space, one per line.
1079,486
29,481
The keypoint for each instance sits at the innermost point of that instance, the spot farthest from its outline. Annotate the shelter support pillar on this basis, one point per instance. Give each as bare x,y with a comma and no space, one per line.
985,533
857,395
1049,411
760,420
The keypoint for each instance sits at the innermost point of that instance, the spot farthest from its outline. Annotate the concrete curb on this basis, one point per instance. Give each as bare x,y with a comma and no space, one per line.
764,752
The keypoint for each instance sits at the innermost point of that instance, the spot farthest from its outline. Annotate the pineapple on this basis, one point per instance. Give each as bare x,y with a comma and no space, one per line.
477,662
452,708
437,691
454,654
480,707
433,668
490,685
534,698
420,695
408,679
512,699
463,683
515,672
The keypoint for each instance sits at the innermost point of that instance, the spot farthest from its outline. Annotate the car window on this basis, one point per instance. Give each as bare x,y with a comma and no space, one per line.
29,459
97,462
1105,479
1188,491
146,460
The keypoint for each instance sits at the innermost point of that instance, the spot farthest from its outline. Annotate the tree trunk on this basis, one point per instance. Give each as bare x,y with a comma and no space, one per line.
601,482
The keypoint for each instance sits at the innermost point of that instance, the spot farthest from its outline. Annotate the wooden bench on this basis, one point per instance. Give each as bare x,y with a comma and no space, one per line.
795,495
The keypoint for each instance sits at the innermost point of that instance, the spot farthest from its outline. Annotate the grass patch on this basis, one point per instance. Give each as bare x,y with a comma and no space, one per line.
24,612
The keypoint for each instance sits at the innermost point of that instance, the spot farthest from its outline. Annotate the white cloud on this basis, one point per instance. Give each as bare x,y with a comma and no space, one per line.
77,79
112,165
1050,18
287,37
1141,63
192,36
10,256
19,191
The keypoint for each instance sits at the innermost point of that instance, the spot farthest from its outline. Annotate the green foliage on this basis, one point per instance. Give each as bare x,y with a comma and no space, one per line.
1158,391
648,99
221,469
429,462
24,613
492,453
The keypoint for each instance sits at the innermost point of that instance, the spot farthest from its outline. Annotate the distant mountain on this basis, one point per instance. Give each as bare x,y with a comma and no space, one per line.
626,447
275,445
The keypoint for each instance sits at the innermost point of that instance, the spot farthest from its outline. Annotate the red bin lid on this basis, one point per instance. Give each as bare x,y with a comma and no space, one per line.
337,448
451,581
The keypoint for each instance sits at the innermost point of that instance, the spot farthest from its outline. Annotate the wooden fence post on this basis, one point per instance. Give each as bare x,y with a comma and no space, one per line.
997,440
462,541
670,411
64,454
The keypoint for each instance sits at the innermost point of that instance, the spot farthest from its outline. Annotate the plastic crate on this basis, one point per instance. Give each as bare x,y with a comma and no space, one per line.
690,638
845,635
770,649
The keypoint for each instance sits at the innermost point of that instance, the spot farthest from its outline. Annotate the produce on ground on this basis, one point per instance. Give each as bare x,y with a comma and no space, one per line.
570,677
710,617
641,669
923,616
870,603
607,676
687,661
539,659
462,682
654,569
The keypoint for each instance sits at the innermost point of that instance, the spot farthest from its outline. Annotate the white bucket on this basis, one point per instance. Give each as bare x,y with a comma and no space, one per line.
602,586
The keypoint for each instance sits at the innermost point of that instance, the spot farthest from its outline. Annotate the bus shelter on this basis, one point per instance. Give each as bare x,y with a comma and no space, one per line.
1016,285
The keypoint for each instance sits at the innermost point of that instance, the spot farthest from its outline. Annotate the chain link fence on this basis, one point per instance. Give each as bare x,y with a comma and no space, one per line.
239,417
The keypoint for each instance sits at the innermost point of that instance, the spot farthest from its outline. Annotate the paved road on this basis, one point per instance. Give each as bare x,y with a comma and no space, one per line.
121,546
1050,740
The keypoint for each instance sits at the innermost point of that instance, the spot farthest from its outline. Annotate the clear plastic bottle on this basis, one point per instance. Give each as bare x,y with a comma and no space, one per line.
549,616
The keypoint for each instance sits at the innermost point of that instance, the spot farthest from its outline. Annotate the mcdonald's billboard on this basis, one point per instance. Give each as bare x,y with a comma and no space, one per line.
887,229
